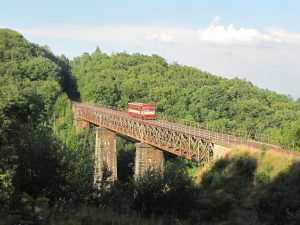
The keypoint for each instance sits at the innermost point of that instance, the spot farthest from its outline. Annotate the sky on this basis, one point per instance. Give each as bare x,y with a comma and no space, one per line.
257,40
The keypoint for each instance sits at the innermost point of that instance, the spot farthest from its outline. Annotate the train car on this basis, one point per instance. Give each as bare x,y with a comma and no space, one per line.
141,110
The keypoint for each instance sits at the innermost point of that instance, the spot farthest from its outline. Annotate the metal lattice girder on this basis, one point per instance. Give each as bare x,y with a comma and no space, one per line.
177,139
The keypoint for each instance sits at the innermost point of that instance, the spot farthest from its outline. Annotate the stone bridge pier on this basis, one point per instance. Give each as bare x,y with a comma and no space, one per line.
105,154
147,156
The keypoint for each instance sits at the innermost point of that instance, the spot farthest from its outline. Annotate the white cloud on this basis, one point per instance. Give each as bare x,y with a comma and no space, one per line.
284,36
219,34
162,37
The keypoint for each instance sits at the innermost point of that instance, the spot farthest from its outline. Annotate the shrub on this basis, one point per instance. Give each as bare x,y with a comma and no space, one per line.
171,192
262,177
148,193
279,201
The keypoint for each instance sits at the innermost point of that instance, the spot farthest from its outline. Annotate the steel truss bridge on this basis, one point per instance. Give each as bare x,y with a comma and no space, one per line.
189,142
174,138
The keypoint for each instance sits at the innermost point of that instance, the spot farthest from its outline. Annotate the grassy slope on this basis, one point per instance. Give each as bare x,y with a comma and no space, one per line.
267,162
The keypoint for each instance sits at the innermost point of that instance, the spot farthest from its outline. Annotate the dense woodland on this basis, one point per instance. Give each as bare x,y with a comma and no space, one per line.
46,166
188,94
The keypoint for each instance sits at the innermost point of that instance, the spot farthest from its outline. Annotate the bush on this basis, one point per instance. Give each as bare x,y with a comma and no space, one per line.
171,192
279,201
262,177
148,193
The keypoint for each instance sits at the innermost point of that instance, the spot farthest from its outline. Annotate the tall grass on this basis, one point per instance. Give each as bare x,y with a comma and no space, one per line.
86,215
269,163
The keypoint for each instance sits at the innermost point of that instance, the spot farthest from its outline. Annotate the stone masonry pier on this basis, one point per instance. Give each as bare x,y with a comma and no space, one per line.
105,153
147,157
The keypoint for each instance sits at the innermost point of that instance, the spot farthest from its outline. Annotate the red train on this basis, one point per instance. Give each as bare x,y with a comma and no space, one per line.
141,110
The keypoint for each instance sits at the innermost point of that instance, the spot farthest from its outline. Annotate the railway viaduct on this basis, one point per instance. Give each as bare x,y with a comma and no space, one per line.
153,137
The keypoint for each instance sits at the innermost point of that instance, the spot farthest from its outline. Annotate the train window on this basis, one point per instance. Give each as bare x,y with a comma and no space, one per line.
149,109
134,107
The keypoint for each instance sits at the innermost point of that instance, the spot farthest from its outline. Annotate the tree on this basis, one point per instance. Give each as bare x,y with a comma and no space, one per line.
291,135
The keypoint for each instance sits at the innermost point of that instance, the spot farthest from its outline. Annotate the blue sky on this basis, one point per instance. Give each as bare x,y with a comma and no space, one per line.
255,40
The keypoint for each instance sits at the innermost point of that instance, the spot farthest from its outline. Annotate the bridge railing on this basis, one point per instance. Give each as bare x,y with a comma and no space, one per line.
223,133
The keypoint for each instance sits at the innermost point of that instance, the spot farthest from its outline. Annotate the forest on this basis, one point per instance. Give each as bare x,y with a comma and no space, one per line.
46,166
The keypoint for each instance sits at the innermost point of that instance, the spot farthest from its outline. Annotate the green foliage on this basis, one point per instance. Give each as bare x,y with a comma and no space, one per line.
32,158
88,215
117,196
171,192
78,153
213,209
6,183
13,46
30,82
262,177
279,201
103,185
125,159
224,190
291,135
233,174
149,192
40,68
185,93
38,162
33,210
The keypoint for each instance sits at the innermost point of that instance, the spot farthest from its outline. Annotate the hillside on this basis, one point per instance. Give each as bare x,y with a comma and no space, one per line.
187,93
